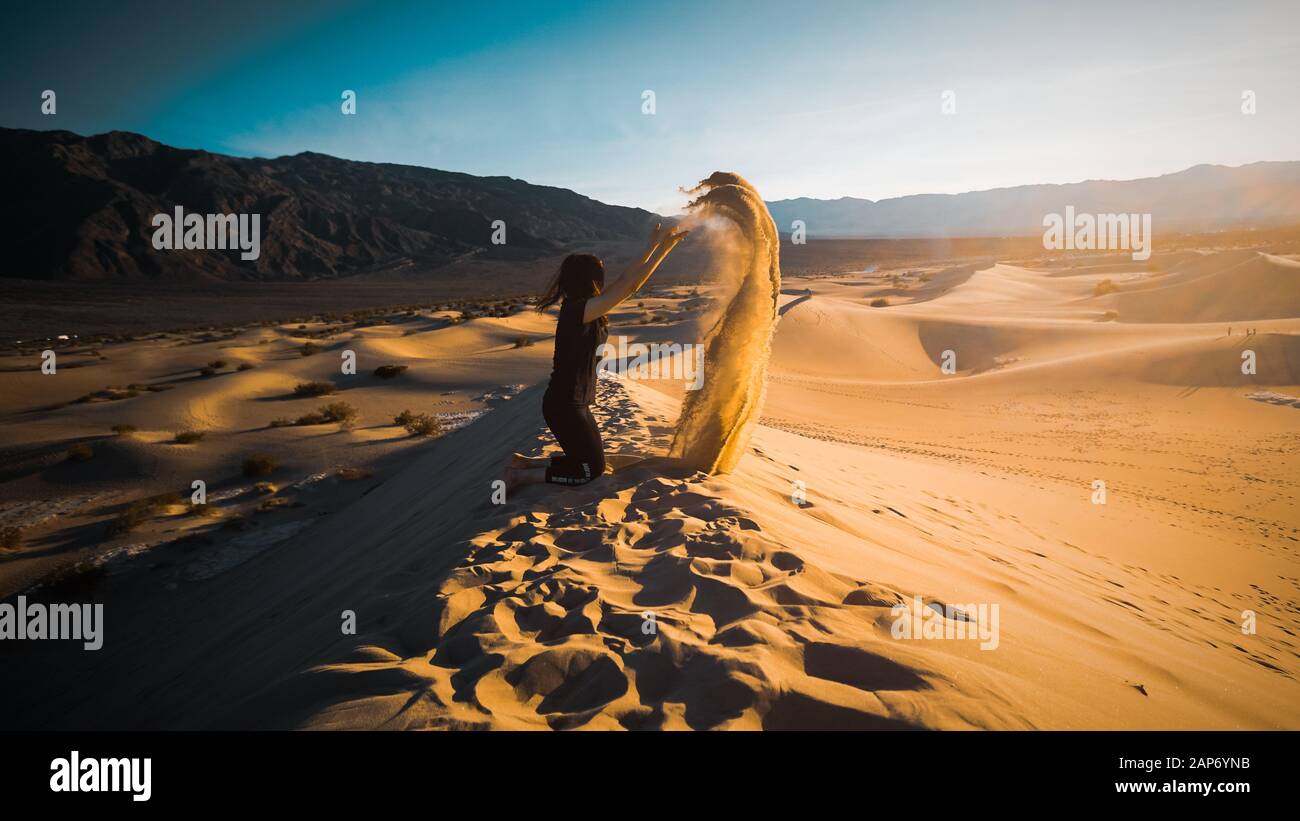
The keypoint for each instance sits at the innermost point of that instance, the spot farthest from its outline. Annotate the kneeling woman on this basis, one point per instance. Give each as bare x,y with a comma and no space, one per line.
579,287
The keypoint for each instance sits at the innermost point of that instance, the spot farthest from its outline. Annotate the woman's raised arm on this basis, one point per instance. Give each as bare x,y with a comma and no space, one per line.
662,242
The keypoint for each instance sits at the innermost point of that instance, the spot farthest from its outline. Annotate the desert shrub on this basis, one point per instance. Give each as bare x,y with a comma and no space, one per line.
260,464
81,453
1110,316
204,511
189,437
208,371
110,394
1106,286
11,538
309,348
246,366
523,341
879,302
282,422
124,430
354,473
217,364
340,413
134,514
389,371
313,389
423,424
402,418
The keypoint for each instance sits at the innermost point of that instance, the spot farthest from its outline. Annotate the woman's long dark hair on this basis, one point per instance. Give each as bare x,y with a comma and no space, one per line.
581,276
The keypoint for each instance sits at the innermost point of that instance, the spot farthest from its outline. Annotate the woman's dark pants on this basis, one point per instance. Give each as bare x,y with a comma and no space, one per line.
575,429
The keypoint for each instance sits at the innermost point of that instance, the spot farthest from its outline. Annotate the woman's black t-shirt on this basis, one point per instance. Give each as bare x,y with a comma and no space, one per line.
573,375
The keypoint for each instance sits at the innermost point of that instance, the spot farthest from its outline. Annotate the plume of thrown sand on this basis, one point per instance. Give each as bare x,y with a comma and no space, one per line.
716,420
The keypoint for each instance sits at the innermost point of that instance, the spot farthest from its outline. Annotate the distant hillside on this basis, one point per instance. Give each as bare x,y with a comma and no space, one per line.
1202,198
81,208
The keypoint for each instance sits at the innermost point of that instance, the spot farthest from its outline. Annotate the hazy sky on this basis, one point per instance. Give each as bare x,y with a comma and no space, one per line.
820,99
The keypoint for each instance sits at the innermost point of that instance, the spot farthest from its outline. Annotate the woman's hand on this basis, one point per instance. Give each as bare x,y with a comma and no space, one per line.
671,239
657,235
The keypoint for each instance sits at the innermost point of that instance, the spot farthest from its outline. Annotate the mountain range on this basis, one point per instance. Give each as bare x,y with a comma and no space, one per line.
87,207
88,203
1199,199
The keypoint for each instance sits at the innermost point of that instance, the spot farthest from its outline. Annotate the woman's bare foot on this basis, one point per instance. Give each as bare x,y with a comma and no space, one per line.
512,477
517,477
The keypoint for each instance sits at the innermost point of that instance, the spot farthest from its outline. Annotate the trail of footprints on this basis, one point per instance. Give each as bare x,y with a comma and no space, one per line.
641,601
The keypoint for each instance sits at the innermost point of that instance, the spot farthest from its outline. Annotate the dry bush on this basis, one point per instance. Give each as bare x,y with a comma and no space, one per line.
189,437
340,413
313,388
260,464
1106,286
134,514
389,371
204,511
423,424
110,394
11,538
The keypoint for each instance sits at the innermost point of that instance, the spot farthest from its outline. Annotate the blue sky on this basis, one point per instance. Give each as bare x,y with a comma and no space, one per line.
821,99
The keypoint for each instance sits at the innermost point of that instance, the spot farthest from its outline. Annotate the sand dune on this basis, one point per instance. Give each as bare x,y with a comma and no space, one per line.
1232,286
658,597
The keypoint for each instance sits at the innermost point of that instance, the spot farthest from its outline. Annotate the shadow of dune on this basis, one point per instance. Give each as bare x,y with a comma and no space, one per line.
200,659
786,307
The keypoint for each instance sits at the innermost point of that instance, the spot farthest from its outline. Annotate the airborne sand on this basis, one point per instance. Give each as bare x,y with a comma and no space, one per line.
714,424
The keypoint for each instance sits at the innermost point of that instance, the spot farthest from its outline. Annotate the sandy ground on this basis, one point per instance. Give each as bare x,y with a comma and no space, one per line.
659,598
